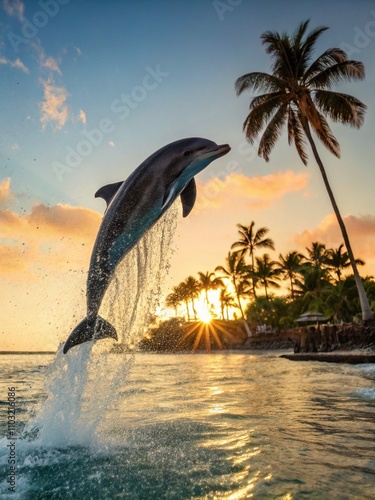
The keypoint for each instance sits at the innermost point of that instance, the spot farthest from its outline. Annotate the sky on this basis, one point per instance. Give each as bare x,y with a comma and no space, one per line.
89,89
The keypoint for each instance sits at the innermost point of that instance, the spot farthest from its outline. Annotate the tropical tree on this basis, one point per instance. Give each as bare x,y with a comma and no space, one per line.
249,241
192,289
226,301
267,272
342,299
174,299
338,260
208,281
236,271
312,288
297,93
317,255
290,266
184,293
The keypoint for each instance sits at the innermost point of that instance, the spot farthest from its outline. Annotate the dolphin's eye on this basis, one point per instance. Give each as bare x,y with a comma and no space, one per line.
187,153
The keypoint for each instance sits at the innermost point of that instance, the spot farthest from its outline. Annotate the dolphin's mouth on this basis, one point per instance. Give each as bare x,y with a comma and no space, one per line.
221,150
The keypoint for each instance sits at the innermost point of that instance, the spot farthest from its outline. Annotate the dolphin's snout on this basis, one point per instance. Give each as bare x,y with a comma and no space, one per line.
222,150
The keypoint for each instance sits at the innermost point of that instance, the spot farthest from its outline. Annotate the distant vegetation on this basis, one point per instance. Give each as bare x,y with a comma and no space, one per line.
275,292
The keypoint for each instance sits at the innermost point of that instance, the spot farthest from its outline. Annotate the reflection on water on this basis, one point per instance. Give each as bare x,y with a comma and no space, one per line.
210,426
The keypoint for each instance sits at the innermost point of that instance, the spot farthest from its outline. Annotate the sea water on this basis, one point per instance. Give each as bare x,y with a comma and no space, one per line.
94,424
200,426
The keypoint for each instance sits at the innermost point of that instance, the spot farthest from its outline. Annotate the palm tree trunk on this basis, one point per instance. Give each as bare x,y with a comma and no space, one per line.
367,313
187,309
291,287
253,271
194,310
238,299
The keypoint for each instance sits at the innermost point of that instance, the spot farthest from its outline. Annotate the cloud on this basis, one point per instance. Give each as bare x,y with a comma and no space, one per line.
50,63
82,116
361,232
54,109
253,192
17,63
5,192
14,8
47,239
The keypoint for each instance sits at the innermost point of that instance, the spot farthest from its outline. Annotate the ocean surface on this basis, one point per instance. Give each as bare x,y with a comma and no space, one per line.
202,426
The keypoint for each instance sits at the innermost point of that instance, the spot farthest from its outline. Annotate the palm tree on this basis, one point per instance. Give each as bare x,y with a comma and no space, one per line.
226,301
339,260
251,240
236,271
289,266
297,92
317,255
267,272
174,300
184,294
192,289
208,281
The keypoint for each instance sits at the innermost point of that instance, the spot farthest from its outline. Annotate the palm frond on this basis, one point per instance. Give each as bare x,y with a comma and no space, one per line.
266,243
329,58
261,99
338,73
296,134
325,134
339,107
258,81
279,47
258,117
309,44
272,132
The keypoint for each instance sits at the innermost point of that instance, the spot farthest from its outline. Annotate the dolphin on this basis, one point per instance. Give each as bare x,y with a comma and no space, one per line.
133,207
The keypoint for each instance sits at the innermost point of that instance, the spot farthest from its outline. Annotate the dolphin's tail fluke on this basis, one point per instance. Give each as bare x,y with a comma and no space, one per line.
90,329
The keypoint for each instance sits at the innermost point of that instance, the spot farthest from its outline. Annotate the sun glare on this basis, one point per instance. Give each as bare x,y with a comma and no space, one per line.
205,316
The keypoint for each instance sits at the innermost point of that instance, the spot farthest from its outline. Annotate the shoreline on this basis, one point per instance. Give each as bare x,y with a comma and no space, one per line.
333,357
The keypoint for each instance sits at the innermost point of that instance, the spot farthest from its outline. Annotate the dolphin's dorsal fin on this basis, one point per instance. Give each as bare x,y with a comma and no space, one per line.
108,192
188,196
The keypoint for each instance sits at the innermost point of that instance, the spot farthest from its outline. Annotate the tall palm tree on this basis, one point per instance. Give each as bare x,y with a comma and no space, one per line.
267,272
289,266
208,281
297,93
192,289
339,260
236,271
251,240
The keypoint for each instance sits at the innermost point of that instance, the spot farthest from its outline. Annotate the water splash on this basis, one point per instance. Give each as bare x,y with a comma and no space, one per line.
83,384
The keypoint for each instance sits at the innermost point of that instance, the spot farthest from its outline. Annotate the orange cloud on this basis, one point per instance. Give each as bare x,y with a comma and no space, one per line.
51,63
14,8
361,232
58,238
17,63
54,109
254,192
5,192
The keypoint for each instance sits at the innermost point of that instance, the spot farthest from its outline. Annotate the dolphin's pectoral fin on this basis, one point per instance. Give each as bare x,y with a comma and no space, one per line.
188,197
108,192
